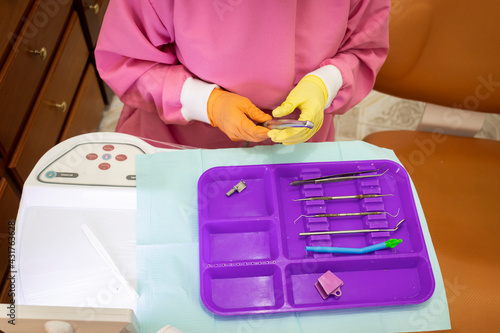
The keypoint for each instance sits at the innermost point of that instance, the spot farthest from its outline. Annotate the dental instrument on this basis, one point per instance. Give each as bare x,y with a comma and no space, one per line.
359,196
339,232
286,123
348,214
337,178
391,243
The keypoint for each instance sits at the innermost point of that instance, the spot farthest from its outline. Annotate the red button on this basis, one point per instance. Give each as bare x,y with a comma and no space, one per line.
104,166
121,157
92,156
108,147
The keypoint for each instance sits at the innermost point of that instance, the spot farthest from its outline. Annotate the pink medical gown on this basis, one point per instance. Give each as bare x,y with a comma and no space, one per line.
259,49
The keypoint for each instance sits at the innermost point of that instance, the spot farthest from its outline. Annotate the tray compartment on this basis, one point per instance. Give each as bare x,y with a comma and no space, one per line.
229,290
256,200
294,209
247,240
394,182
384,281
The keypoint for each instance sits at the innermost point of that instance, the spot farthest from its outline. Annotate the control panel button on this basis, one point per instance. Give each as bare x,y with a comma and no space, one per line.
104,166
108,147
67,174
121,157
92,156
106,157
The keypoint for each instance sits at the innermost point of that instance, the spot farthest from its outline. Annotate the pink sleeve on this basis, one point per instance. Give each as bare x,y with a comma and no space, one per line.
362,52
134,56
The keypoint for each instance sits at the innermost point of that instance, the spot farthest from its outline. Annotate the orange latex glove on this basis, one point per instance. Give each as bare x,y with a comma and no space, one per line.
233,115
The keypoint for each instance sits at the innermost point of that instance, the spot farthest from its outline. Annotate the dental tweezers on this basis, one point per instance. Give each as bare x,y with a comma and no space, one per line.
338,178
286,123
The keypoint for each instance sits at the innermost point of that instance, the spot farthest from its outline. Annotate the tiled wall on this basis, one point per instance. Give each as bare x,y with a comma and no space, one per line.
380,112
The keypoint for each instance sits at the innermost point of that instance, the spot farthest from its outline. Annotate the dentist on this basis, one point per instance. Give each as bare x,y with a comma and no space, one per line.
205,73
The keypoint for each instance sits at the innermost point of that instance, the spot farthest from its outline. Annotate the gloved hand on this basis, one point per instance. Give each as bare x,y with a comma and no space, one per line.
310,96
233,114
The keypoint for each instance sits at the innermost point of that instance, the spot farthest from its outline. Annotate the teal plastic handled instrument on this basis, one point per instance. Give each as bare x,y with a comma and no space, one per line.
391,243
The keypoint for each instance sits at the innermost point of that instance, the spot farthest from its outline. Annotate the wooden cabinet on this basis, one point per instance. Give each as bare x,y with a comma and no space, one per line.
47,117
85,114
93,10
25,67
92,14
49,87
9,202
11,12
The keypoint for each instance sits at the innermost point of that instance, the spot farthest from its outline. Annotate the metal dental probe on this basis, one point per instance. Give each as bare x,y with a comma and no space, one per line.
359,196
347,214
313,233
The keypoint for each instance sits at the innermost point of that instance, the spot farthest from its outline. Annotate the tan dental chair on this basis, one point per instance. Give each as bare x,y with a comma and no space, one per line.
447,52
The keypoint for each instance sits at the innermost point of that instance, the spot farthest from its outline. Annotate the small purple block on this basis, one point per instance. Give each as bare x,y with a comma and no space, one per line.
329,284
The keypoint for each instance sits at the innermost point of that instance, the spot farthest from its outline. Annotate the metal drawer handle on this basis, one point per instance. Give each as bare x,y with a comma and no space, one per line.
60,106
95,8
42,53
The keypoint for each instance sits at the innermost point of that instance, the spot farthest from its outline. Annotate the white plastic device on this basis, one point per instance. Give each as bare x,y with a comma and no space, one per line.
88,180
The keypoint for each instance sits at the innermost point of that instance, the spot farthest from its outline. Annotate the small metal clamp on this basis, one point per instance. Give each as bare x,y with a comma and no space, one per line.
238,187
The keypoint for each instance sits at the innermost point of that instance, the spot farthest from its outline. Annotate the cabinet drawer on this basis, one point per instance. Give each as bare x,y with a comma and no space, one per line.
23,70
9,203
11,12
87,108
49,112
94,15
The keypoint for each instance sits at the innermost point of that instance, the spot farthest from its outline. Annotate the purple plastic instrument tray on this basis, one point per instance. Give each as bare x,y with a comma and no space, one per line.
252,259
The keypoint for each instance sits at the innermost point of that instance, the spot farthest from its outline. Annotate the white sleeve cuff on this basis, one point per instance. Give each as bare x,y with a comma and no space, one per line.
332,78
194,98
